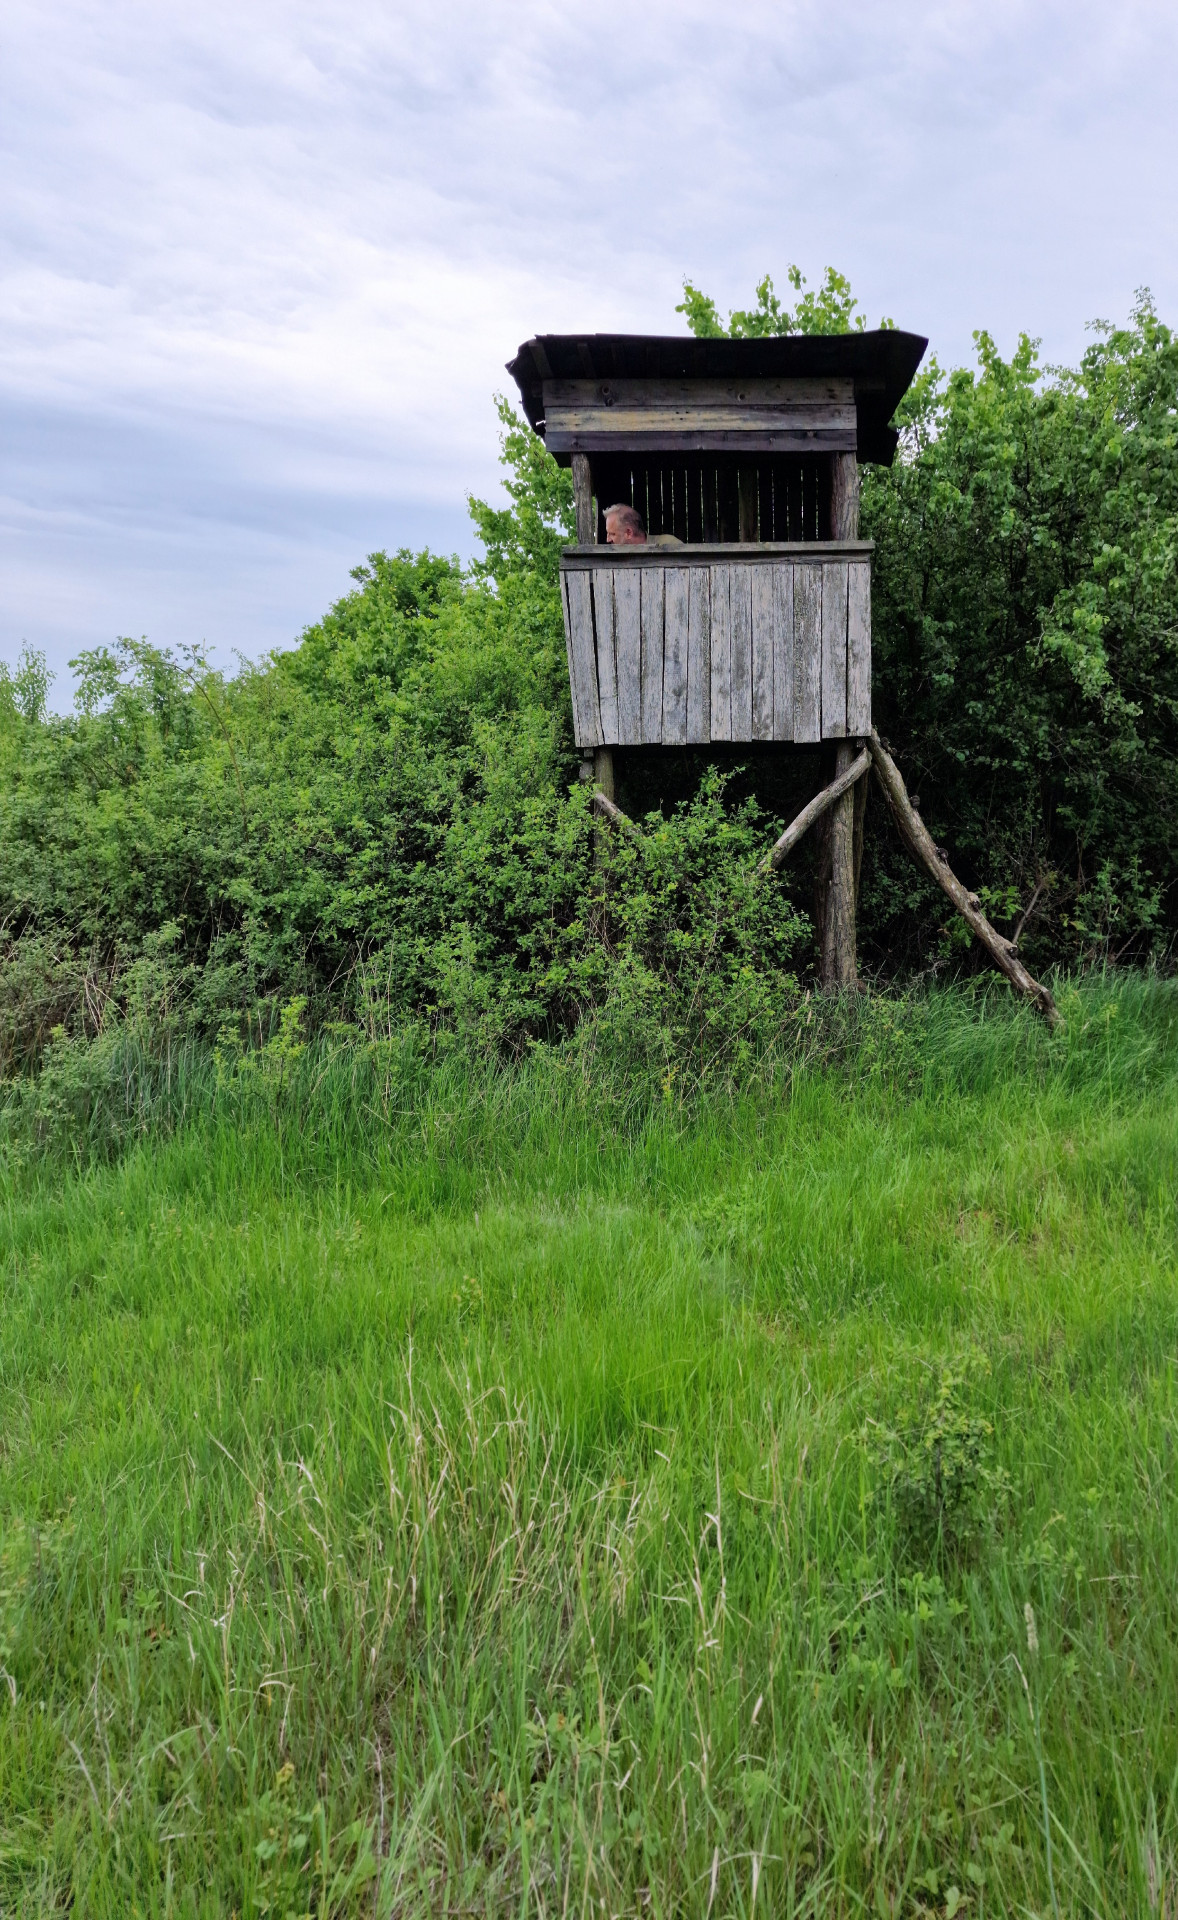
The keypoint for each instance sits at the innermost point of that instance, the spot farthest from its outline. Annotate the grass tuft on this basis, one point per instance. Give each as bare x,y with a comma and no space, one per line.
428,1486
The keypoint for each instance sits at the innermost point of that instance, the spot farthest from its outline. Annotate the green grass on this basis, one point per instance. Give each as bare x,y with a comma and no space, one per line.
440,1489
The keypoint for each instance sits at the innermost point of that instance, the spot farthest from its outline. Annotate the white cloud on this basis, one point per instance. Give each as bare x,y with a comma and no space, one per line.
262,266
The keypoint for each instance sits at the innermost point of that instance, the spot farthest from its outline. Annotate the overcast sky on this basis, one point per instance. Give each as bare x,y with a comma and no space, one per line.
262,264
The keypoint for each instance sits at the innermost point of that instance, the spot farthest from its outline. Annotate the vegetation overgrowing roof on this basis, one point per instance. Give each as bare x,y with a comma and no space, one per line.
881,363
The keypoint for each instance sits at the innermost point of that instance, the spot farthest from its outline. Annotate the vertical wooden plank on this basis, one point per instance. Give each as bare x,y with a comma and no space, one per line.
699,655
628,653
582,665
746,485
728,505
607,662
765,502
638,481
679,515
808,651
583,499
834,650
676,614
721,653
655,520
742,653
795,519
762,622
574,693
695,501
844,497
783,652
711,505
652,654
859,647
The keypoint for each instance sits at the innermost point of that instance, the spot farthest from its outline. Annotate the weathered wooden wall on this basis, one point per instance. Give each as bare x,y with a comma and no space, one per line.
786,416
718,643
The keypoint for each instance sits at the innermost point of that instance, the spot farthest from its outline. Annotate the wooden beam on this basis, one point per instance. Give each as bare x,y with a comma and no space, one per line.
838,961
610,810
837,931
920,843
804,416
583,500
814,810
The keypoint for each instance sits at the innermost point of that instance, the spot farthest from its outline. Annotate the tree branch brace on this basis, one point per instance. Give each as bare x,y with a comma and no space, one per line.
920,843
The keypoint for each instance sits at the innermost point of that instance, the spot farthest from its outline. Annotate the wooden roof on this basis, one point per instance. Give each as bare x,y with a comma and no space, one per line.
880,364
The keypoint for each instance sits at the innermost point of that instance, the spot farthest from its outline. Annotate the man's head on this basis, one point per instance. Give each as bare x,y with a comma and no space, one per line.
623,527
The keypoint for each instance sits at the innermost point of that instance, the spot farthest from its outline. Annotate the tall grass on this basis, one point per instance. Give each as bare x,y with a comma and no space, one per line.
428,1486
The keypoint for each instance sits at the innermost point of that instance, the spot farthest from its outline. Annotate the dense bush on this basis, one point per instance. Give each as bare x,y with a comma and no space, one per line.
385,822
1026,623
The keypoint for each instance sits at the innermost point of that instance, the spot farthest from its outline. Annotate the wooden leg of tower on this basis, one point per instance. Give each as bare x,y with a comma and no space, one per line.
837,925
838,965
603,771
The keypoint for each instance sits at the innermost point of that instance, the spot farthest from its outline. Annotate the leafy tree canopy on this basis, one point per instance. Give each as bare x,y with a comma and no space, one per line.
829,308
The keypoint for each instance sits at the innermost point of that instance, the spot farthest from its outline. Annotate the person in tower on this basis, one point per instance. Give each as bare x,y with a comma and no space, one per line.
624,528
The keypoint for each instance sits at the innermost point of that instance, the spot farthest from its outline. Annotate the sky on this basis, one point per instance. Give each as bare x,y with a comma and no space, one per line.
261,266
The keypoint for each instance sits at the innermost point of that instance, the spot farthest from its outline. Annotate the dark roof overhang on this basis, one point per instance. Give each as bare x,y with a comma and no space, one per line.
880,363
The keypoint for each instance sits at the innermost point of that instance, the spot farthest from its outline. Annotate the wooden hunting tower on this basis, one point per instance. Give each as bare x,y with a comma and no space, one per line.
748,616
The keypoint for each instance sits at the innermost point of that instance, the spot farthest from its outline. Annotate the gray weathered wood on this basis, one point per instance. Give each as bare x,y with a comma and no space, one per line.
628,647
607,665
721,653
808,652
783,653
920,842
762,553
762,582
699,655
814,810
746,493
806,416
583,500
652,654
669,395
741,589
838,967
858,648
675,644
844,497
582,665
605,804
834,650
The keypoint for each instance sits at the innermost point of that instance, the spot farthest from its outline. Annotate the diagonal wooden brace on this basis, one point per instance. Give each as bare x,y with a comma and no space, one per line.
920,843
814,810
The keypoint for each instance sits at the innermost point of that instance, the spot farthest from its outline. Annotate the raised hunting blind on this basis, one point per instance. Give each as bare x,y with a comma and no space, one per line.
746,616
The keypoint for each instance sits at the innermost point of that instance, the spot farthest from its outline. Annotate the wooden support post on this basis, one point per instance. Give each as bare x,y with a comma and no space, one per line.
844,497
838,926
583,500
603,772
838,878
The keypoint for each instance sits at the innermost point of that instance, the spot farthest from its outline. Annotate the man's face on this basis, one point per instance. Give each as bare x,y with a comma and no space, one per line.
620,534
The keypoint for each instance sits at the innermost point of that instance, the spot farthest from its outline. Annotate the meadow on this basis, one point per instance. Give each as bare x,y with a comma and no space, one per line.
432,1486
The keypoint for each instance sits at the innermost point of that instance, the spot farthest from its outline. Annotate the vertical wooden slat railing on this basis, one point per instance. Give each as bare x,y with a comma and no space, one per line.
684,645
